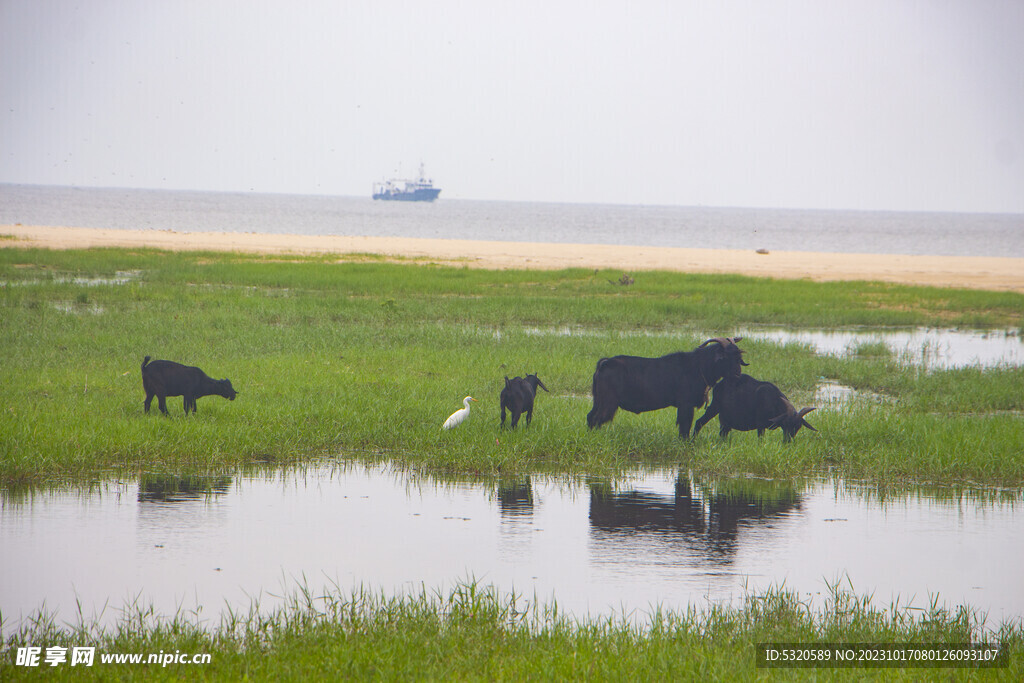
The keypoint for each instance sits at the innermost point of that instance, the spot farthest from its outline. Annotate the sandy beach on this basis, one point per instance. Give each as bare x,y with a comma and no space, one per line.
991,273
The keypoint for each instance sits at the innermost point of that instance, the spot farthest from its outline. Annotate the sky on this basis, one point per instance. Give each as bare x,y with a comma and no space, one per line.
826,104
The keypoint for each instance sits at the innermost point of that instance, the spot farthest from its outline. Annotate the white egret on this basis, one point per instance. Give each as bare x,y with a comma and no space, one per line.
456,418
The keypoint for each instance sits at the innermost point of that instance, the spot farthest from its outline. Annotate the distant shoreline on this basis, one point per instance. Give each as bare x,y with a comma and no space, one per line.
972,272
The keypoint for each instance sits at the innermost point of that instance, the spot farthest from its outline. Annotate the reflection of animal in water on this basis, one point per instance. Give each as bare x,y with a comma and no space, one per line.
680,379
515,496
457,418
744,403
173,488
708,521
163,378
517,397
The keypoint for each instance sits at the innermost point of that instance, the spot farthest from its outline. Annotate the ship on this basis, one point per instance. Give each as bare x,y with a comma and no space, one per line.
419,190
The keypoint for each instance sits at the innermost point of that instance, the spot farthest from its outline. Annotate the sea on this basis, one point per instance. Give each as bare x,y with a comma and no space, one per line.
873,232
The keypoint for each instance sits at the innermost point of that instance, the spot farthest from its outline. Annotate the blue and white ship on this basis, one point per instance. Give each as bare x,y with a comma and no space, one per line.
419,190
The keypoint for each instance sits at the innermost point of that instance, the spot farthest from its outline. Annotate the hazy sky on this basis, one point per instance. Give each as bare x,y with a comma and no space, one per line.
823,104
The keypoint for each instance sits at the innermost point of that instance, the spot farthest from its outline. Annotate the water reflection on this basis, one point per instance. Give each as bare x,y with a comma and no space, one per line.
515,496
172,488
707,521
205,544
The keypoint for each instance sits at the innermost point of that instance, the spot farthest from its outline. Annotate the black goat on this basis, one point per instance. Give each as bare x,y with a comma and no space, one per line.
163,378
744,403
680,379
518,396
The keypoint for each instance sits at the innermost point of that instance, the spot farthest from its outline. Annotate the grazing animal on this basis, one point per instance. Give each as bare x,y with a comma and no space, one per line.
163,378
744,403
459,416
680,379
517,397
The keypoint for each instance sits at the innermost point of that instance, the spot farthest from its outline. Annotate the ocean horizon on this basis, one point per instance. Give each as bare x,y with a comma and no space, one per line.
816,230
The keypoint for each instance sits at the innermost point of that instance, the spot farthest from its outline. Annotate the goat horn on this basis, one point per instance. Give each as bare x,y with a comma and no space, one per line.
724,341
804,411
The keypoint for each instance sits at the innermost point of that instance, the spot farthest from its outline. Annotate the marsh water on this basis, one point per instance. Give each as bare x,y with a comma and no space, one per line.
930,348
926,347
662,537
650,538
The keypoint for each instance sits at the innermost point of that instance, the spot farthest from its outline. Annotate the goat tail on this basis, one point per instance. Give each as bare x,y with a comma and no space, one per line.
144,362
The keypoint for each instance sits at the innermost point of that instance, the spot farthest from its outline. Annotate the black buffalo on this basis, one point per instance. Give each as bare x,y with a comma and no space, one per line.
163,378
517,397
744,403
682,379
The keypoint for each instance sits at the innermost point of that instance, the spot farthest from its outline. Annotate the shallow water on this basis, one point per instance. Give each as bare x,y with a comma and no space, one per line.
654,538
931,348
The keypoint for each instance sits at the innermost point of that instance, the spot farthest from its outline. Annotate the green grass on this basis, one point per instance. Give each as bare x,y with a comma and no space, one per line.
475,632
331,356
356,356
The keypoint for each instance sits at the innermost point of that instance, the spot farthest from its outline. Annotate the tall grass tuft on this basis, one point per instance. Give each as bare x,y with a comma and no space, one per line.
475,631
